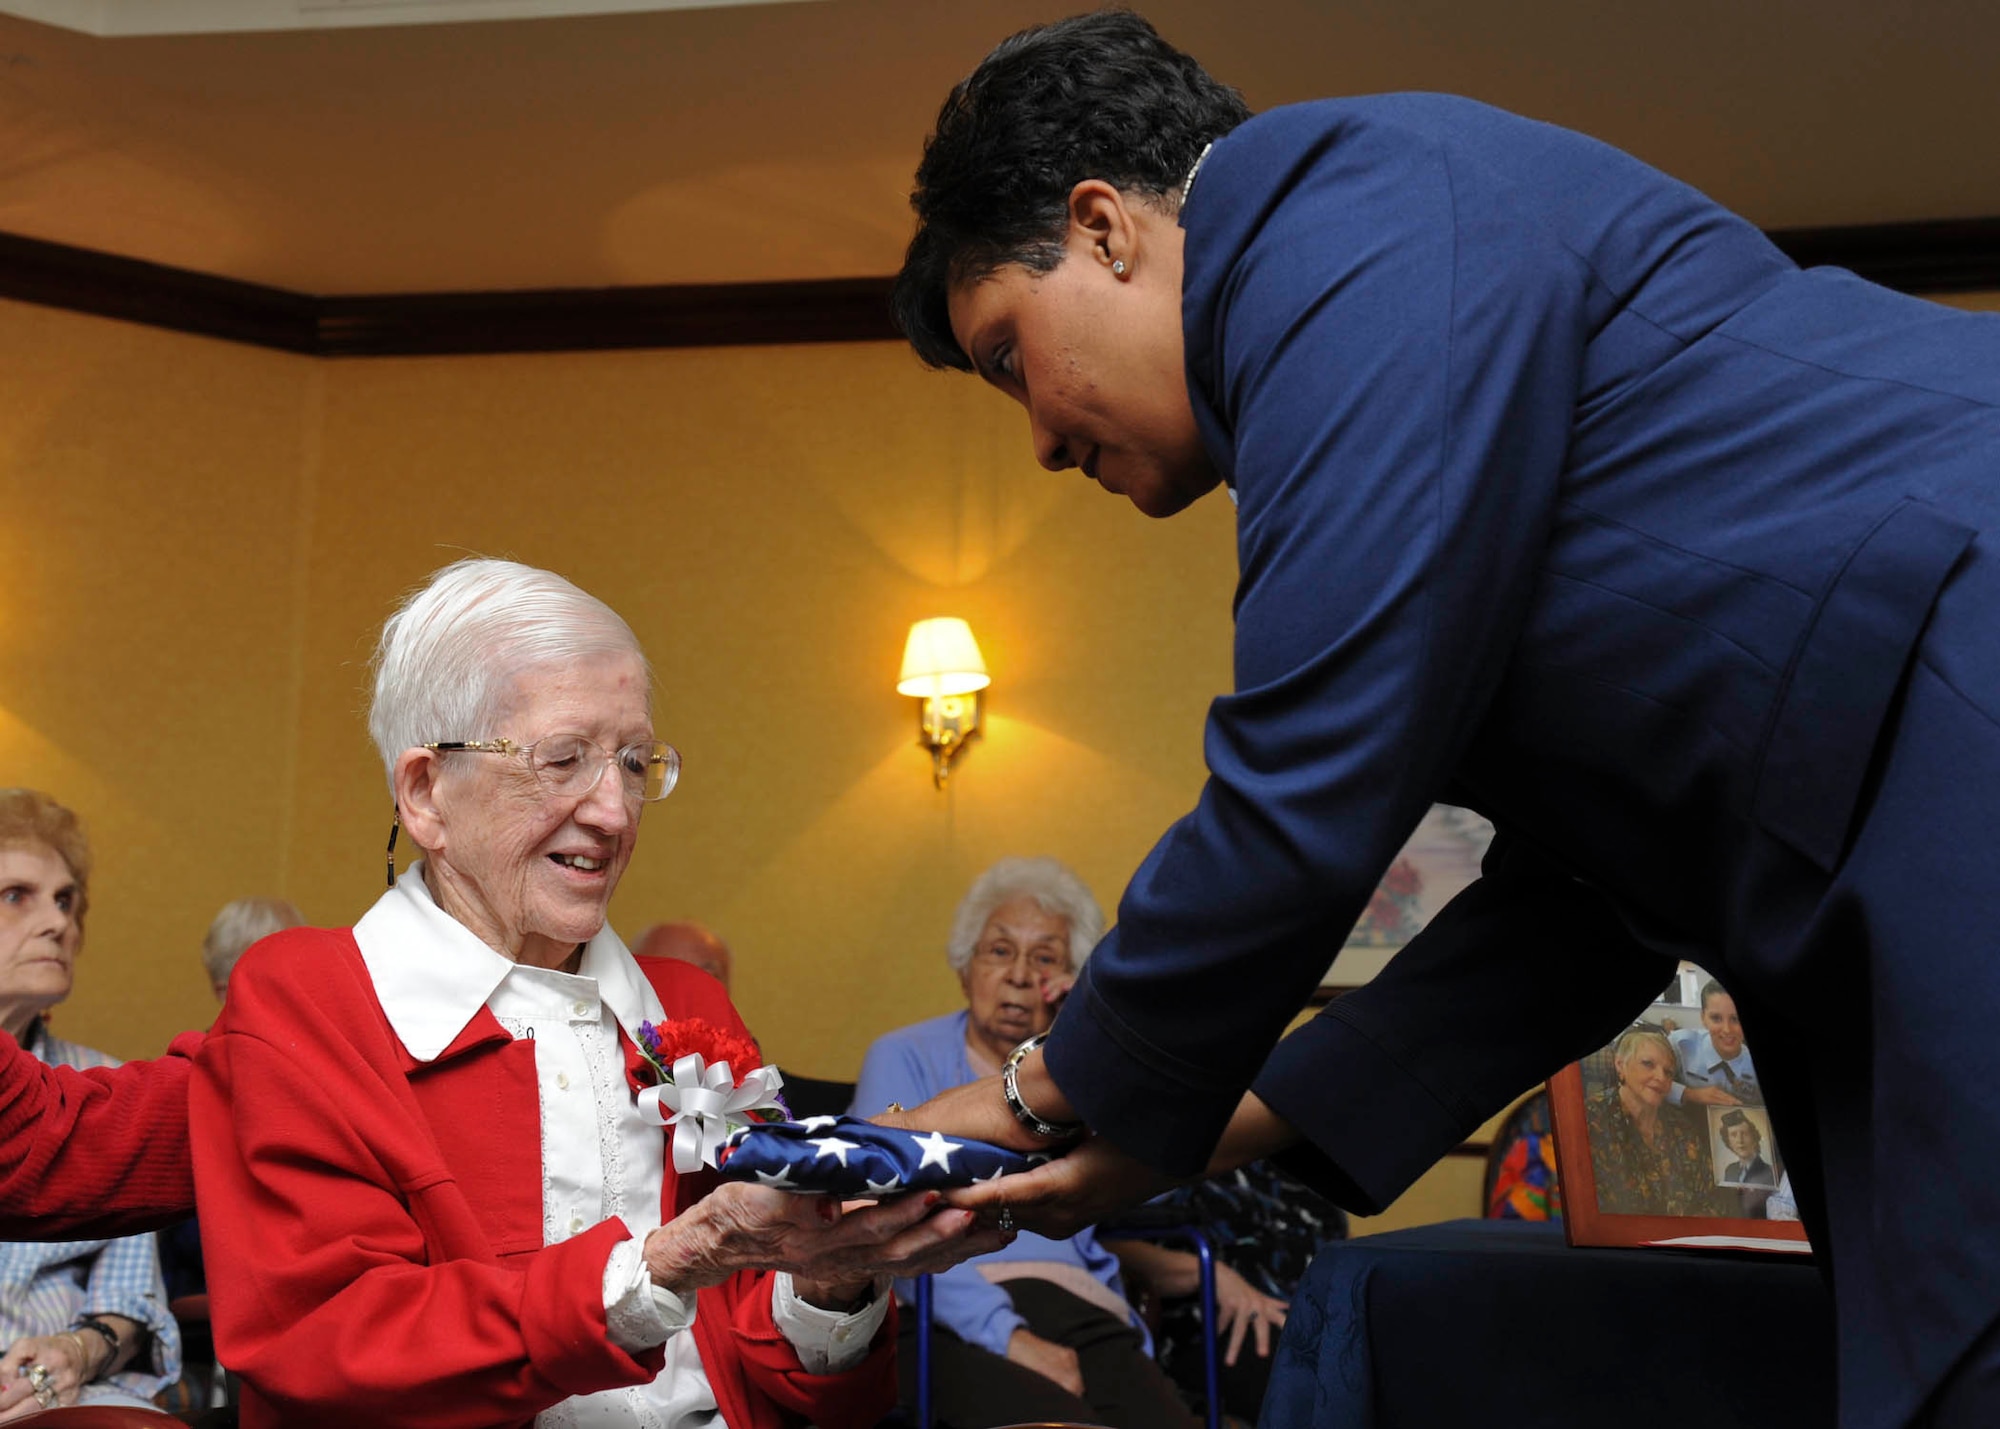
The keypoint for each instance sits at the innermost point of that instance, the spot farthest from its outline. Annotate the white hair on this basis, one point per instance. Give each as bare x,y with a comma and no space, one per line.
1049,882
448,659
240,924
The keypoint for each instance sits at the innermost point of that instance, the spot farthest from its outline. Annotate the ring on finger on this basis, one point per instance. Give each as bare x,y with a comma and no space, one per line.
1006,1219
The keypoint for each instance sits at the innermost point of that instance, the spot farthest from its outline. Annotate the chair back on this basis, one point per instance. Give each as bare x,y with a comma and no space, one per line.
810,1096
1520,1181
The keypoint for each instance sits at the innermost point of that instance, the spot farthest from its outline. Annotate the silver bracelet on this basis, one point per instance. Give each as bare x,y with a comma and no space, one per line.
1011,1089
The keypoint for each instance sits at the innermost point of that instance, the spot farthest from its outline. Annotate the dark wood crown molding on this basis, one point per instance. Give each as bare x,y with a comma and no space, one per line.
438,324
83,280
1953,255
579,319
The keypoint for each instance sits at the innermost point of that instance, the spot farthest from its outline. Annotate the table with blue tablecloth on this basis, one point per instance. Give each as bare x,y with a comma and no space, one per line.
1476,1323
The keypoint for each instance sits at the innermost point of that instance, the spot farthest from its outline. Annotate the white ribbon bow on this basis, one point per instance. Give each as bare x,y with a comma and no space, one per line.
707,1107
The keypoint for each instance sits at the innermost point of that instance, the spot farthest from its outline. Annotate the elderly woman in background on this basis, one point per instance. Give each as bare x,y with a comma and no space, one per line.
429,1194
81,1321
1041,1329
235,928
1649,1156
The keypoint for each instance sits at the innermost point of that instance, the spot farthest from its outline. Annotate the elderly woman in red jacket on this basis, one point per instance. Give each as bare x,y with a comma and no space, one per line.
428,1189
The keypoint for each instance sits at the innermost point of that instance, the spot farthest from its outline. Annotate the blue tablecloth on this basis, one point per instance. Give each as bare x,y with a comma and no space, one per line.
1495,1323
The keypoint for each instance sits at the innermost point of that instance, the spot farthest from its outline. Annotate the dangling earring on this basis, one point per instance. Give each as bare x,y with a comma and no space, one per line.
395,823
1118,267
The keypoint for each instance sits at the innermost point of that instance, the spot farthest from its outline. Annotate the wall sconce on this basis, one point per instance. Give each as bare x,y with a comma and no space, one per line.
943,668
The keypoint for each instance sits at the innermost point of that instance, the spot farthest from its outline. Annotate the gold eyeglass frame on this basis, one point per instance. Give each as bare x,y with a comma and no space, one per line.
503,745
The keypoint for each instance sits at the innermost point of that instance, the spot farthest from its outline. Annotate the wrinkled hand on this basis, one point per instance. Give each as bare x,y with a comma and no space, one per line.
905,1236
1060,1197
1047,1359
1055,987
69,1361
1709,1096
1242,1309
831,1247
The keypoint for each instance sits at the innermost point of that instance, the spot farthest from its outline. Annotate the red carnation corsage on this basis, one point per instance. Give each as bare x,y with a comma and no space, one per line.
700,1094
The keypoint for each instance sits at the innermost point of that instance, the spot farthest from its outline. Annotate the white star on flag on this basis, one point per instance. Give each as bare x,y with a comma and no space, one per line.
877,1188
814,1123
937,1151
998,1172
783,1178
836,1147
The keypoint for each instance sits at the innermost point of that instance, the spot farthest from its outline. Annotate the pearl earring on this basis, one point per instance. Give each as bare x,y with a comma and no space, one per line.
1118,266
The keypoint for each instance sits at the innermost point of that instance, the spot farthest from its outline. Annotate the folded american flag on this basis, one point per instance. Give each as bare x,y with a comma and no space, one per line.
846,1156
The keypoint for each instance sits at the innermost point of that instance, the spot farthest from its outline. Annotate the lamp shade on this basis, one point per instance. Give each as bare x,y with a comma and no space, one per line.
941,658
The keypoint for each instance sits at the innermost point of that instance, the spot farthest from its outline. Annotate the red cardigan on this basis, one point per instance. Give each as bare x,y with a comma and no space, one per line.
373,1224
97,1153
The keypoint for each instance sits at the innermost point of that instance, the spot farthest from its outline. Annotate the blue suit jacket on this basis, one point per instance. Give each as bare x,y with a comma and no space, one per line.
1566,496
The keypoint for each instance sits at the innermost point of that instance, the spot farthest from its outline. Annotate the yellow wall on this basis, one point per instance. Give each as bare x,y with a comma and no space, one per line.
203,538
151,485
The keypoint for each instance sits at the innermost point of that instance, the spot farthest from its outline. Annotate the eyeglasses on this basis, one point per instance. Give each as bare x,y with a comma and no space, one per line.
1040,960
570,765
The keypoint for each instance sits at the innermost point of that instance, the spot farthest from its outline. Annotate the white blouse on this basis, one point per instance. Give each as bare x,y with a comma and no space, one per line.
599,1160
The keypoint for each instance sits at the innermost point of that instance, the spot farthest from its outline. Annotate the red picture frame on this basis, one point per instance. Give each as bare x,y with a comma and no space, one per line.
1711,1156
1585,1224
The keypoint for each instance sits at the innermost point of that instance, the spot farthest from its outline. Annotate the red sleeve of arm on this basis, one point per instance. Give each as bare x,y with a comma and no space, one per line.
734,1325
97,1153
329,1293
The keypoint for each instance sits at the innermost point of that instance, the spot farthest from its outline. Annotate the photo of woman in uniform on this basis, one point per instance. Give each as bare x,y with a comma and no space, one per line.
1737,1144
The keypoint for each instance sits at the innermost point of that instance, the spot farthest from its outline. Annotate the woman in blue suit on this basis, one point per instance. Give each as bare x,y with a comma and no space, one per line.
1561,494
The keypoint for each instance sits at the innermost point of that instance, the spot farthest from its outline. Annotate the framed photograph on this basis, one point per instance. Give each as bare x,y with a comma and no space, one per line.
1741,1146
1436,863
1662,1137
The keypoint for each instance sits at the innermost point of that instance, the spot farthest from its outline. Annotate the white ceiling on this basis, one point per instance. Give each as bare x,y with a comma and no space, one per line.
773,141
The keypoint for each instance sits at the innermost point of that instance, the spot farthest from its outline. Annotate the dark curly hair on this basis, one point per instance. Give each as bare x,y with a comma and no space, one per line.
1735,1117
1097,96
